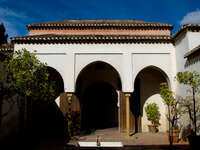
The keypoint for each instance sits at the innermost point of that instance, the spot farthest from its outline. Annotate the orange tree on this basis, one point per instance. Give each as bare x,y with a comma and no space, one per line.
30,78
192,80
173,110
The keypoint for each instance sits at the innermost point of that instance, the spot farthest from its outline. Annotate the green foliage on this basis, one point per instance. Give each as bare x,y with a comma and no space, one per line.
192,80
30,76
167,94
174,112
153,114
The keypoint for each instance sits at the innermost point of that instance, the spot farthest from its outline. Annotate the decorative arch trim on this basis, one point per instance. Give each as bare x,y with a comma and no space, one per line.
155,68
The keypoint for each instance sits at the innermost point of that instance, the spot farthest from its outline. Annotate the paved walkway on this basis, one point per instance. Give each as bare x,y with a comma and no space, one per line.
139,139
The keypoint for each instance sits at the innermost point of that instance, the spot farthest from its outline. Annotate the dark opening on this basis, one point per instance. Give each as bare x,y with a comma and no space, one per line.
99,107
135,104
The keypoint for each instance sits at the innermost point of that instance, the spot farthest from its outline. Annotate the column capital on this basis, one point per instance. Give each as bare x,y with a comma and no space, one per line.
127,94
69,94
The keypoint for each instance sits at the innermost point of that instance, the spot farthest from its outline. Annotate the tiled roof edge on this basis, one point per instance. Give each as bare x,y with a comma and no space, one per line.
100,25
89,39
184,28
7,48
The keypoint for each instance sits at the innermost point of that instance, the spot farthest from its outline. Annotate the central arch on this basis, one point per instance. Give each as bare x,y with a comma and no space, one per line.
96,88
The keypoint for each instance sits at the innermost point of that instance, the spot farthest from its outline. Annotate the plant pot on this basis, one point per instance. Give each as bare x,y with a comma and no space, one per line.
193,141
175,135
153,128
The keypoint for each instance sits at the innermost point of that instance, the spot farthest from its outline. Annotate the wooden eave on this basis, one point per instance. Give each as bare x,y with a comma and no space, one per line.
53,38
192,52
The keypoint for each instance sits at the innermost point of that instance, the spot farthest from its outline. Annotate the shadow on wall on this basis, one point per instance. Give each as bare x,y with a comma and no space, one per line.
192,60
9,120
46,129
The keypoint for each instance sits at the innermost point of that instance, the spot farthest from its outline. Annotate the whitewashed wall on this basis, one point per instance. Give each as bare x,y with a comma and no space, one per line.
127,59
163,111
186,43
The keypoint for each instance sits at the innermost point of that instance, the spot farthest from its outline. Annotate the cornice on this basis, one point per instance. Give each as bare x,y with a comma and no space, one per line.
53,38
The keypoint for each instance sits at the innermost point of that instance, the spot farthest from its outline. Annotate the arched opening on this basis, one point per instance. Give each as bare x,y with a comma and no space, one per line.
96,89
55,76
147,90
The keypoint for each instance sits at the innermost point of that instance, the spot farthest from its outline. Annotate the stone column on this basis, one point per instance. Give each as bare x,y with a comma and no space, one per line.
127,95
69,114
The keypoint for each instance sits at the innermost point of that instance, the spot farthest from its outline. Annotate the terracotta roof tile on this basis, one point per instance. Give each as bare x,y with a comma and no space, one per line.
7,48
98,23
184,28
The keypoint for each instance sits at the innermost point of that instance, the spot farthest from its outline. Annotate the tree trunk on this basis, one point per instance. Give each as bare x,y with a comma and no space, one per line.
170,137
1,103
25,112
195,125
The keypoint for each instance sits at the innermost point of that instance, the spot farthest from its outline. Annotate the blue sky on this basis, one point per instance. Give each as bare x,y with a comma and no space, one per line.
15,14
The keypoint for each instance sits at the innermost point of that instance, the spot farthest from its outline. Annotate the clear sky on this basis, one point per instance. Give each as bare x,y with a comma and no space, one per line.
15,14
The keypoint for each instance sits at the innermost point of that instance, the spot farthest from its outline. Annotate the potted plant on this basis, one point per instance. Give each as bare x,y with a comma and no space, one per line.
174,112
191,80
153,115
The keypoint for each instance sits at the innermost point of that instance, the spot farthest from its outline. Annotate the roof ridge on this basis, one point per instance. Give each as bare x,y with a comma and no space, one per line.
82,35
99,23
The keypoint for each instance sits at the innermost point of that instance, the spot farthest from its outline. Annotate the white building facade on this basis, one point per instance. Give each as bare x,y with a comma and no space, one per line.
113,68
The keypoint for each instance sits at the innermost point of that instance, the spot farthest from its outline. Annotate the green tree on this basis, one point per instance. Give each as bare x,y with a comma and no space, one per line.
172,105
29,79
153,114
3,36
191,79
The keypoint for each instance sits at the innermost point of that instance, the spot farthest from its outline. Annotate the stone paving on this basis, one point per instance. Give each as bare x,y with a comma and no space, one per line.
138,139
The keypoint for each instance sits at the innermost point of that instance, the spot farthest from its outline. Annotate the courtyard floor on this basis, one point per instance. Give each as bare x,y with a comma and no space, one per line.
136,141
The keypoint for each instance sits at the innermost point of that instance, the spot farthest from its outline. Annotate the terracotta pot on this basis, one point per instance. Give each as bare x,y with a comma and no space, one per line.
175,135
153,128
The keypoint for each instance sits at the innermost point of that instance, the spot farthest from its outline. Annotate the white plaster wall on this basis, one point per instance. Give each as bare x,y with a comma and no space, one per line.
127,59
162,108
120,57
56,56
186,43
161,61
182,47
82,60
193,39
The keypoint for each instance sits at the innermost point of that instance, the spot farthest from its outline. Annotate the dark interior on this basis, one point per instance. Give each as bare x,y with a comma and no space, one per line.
135,104
99,107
